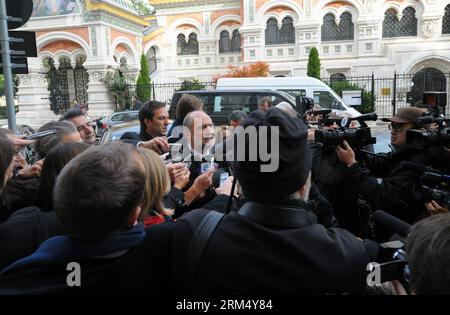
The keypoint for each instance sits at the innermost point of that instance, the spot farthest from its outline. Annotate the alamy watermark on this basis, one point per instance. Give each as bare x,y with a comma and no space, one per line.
249,144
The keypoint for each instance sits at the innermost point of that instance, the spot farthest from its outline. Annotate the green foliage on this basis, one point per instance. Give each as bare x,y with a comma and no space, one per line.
2,85
314,63
119,89
143,7
192,85
366,104
3,111
143,84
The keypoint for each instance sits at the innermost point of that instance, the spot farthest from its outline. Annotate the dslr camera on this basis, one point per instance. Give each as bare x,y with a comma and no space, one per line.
422,139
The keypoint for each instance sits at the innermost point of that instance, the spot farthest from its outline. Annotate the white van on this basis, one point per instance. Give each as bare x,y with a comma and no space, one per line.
322,94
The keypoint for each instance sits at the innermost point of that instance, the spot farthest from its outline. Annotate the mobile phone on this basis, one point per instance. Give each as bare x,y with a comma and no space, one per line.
41,134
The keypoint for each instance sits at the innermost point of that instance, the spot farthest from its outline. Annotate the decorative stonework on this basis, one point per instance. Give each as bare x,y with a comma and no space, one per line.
94,41
429,27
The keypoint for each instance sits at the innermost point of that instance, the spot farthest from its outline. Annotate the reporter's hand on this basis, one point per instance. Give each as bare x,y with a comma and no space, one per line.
434,208
225,189
204,181
159,145
198,189
182,180
175,170
346,155
19,141
32,171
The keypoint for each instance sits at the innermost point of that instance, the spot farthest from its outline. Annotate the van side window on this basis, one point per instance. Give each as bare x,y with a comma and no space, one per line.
275,99
205,100
226,103
325,100
295,93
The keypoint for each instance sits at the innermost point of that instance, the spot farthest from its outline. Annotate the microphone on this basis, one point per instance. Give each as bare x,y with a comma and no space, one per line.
391,223
366,117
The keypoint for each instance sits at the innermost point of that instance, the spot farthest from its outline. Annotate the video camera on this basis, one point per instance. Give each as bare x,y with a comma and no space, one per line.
422,139
432,185
356,137
392,259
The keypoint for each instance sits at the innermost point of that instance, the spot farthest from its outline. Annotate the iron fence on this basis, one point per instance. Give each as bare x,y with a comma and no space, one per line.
386,94
389,93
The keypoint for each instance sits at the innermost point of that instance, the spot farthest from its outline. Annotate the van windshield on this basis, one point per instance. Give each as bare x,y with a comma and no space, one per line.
326,100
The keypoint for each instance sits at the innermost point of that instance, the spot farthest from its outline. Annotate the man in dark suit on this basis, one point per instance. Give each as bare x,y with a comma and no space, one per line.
154,120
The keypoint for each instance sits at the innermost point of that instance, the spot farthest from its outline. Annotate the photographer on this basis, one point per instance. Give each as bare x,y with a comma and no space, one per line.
331,178
394,192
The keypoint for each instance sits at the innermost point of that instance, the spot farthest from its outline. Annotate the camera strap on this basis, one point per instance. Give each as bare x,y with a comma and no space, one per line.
277,215
198,243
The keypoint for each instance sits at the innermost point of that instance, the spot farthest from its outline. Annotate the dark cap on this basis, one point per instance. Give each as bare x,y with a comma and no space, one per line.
294,158
407,115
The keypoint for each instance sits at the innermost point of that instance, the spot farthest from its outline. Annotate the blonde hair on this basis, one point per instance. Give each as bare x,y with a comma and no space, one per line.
157,183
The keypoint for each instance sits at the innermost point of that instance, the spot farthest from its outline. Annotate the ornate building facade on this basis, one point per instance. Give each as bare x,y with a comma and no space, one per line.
354,37
80,41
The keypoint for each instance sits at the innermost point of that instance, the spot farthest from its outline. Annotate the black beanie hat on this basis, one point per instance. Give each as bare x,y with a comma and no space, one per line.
294,158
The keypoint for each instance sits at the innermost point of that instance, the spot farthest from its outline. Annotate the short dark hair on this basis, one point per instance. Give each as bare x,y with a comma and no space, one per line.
237,115
97,191
43,145
55,161
72,113
186,104
146,112
428,249
7,154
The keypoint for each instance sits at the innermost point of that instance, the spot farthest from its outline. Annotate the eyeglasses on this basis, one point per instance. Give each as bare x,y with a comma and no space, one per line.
398,127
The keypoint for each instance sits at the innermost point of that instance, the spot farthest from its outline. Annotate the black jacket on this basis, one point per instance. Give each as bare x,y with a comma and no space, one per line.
247,257
23,232
140,270
330,176
394,193
134,138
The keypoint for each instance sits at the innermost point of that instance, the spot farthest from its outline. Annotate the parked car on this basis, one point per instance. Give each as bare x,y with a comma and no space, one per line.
121,117
114,132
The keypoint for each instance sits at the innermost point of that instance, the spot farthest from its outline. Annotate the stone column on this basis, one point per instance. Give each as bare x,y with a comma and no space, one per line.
33,97
100,101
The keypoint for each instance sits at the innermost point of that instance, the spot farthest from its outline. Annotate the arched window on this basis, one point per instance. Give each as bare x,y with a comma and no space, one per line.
337,77
224,42
151,57
287,31
446,21
271,32
192,45
345,29
407,26
408,23
236,41
328,29
333,32
189,48
181,44
284,35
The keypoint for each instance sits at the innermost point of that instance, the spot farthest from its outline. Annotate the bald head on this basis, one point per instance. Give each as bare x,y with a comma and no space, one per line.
201,128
